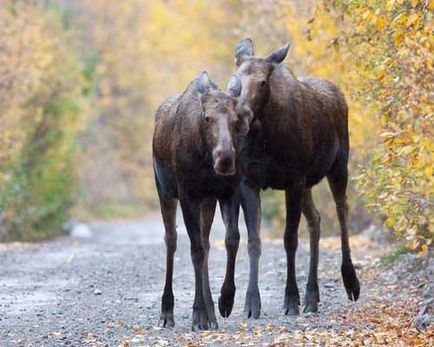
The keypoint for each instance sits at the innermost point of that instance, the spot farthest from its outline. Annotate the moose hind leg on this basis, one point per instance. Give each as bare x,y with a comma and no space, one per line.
293,212
207,210
338,184
168,211
313,222
191,212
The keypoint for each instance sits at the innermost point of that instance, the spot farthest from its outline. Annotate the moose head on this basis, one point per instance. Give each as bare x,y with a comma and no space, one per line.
254,73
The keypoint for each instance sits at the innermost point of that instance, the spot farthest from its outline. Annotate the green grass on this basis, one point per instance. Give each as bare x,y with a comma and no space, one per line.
393,256
116,210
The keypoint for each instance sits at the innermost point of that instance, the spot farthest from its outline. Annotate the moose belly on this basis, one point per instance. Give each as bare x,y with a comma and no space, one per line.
209,184
281,174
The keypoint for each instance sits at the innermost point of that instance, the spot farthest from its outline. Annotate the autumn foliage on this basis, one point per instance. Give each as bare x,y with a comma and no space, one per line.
388,47
39,120
122,58
381,54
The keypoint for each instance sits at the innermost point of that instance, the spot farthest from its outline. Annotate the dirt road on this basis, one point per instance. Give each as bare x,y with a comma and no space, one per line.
105,291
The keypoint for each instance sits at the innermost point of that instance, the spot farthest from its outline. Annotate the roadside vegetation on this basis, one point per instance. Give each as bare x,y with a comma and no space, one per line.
80,81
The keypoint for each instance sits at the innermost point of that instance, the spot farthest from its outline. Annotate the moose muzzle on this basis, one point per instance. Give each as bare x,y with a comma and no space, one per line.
224,160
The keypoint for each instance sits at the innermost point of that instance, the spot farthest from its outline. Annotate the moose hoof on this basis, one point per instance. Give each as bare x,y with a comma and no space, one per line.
225,306
291,307
292,310
200,320
311,300
213,325
166,320
199,327
354,293
252,307
351,283
310,308
226,300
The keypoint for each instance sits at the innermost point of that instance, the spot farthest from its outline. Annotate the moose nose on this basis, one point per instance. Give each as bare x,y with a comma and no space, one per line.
224,161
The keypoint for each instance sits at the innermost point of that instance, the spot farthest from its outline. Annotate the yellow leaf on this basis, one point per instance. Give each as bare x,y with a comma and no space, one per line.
414,3
379,75
423,250
389,5
368,14
431,5
406,150
412,19
400,19
397,38
380,23
387,134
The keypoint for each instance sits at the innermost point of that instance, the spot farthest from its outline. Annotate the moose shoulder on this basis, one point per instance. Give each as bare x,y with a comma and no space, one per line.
305,129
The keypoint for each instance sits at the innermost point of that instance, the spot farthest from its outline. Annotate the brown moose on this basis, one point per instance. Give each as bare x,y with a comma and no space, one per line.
299,136
194,161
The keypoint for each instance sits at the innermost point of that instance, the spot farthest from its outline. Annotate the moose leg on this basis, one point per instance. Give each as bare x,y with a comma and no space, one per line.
230,209
191,212
207,210
293,197
251,204
313,222
338,185
168,211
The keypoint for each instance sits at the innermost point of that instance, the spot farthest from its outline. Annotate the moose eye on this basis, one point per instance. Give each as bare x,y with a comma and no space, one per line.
207,119
263,83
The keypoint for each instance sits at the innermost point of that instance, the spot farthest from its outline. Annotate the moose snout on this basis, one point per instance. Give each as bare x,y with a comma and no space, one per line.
224,161
245,113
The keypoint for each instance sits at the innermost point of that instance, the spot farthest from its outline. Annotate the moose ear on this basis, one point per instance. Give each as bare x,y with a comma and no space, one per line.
203,83
243,50
234,86
278,55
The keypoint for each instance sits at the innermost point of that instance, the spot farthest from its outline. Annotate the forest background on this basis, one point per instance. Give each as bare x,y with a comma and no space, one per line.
80,82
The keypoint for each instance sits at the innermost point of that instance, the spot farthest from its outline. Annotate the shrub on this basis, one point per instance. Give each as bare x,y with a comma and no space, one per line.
41,92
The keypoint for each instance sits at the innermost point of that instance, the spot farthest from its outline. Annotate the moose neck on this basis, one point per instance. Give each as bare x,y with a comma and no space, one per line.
193,143
279,116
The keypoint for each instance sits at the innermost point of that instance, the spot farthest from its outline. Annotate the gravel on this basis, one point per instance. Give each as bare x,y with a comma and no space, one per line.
105,290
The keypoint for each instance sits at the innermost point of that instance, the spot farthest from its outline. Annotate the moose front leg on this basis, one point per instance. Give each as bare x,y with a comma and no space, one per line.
251,204
230,209
207,210
191,212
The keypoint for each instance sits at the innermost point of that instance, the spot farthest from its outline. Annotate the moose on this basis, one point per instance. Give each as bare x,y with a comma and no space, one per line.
194,160
298,136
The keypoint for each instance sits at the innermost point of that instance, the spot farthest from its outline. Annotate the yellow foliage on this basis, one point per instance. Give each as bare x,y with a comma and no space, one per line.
395,77
146,51
381,54
32,64
40,94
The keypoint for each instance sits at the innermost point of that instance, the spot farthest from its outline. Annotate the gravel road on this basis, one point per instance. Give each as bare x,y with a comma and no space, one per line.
105,290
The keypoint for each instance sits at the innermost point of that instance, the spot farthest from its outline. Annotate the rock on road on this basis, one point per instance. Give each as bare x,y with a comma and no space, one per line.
106,290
